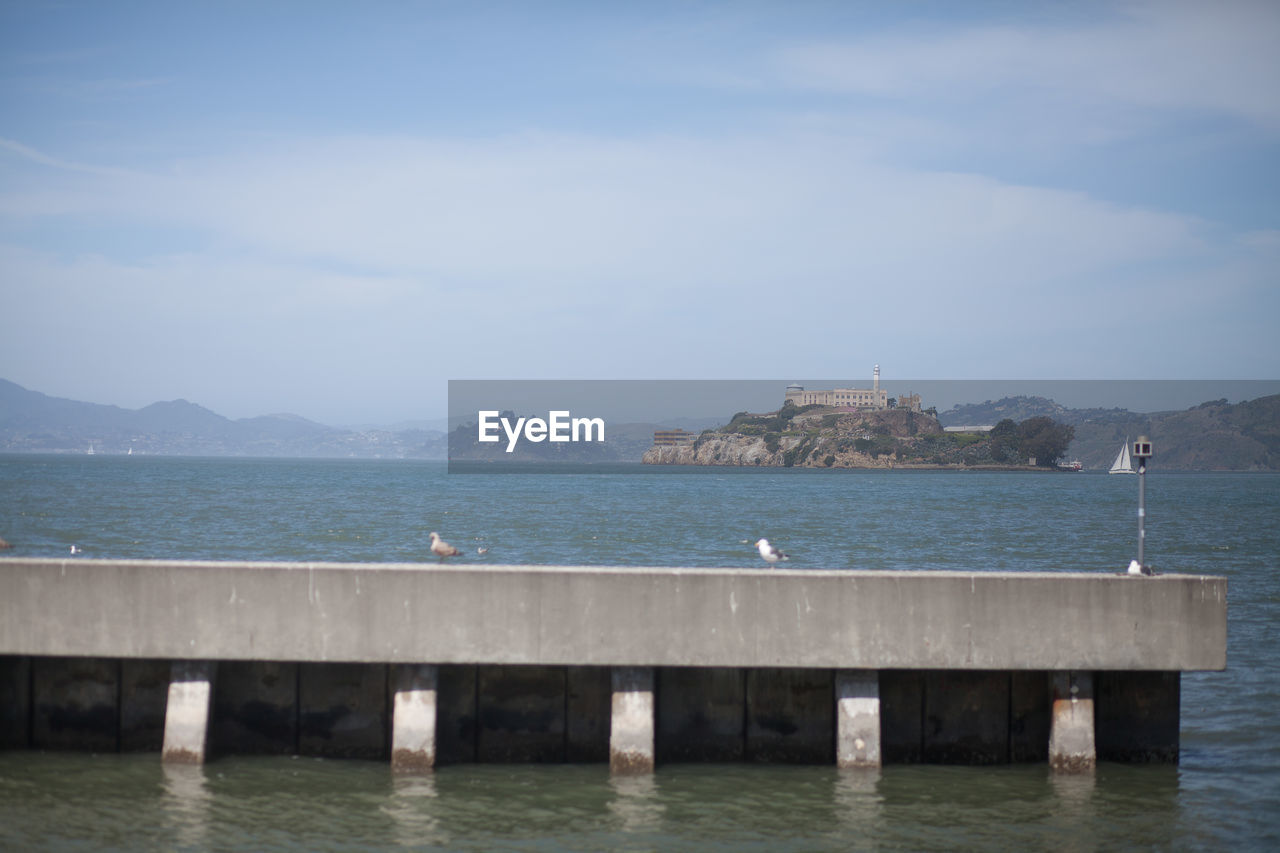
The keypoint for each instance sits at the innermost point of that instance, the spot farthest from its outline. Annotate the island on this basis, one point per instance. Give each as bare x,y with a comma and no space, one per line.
880,435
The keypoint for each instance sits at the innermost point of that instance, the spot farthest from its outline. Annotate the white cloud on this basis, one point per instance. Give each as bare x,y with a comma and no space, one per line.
418,251
1217,58
560,210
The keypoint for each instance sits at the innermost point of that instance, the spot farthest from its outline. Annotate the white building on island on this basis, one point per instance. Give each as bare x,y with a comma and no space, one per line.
874,398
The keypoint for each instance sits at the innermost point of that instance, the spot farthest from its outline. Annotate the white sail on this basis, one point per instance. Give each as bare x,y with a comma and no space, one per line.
1123,465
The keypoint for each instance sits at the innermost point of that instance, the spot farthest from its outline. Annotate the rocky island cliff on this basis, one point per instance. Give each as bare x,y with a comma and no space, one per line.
821,437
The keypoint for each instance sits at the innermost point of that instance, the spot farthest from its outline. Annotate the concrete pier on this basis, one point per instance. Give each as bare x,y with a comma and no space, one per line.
186,718
425,665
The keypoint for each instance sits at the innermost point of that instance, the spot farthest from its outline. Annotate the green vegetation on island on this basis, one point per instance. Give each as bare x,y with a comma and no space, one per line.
817,436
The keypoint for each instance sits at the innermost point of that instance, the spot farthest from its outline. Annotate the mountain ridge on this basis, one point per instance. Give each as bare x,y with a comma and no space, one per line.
34,422
1214,435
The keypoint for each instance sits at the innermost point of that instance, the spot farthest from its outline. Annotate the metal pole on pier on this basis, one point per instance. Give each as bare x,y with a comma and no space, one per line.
1142,452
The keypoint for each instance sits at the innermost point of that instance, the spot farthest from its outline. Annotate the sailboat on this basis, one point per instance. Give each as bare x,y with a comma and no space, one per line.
1123,465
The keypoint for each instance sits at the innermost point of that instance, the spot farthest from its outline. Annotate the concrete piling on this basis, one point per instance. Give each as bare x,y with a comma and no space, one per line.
413,718
631,727
1072,744
857,718
186,716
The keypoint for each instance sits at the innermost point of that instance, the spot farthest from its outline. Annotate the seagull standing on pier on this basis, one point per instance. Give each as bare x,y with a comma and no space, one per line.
441,548
770,554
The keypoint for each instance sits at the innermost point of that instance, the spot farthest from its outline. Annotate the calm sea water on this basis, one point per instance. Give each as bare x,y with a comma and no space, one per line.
1225,794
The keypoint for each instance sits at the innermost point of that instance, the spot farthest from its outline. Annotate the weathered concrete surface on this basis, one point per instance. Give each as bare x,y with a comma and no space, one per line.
857,718
901,716
1029,711
790,714
1072,746
457,715
413,718
589,705
966,717
144,688
1137,716
701,714
188,708
688,714
342,710
15,702
632,720
522,714
255,708
76,704
611,616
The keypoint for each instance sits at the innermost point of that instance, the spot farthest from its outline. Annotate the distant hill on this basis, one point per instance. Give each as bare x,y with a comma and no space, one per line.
31,422
1212,436
1215,435
1018,409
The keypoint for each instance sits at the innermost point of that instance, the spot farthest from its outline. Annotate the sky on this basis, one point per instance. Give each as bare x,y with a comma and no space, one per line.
333,209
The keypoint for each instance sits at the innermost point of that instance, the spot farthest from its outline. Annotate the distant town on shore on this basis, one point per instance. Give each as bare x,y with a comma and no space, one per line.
852,427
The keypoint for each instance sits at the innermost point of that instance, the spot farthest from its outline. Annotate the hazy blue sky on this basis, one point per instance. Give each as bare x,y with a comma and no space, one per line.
333,208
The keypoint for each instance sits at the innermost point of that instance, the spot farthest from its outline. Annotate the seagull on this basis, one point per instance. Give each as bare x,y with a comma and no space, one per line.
770,554
76,549
482,550
1136,568
441,548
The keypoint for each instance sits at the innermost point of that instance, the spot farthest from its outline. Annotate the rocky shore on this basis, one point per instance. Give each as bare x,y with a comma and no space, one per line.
824,438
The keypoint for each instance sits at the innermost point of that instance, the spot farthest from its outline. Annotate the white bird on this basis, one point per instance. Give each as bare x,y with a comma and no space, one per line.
770,554
441,548
1136,568
482,550
76,549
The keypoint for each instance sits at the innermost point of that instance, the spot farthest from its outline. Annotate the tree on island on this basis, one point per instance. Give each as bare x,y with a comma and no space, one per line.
1044,439
1005,441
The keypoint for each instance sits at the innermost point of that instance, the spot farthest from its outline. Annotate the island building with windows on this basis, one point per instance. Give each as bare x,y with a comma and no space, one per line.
874,398
673,437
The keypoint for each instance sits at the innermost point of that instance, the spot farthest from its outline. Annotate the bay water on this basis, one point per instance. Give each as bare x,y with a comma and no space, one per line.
1224,794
